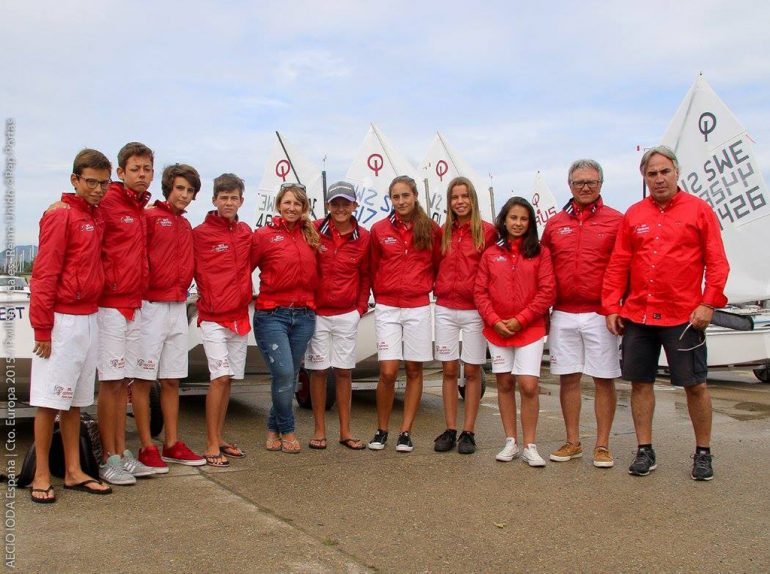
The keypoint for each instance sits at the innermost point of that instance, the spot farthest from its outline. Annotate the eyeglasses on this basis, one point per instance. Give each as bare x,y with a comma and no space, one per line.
292,185
701,336
591,183
92,183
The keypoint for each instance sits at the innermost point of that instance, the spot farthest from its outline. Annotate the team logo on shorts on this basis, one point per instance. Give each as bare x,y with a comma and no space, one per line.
641,229
315,358
118,363
220,248
87,227
382,346
498,360
146,365
276,239
222,364
127,219
442,350
165,222
63,392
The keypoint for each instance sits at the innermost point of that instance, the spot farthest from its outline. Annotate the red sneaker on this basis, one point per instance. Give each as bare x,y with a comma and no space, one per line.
150,457
180,454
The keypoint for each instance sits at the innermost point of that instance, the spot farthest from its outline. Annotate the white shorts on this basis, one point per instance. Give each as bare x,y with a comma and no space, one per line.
163,344
66,378
581,343
403,333
119,342
333,343
225,350
518,360
450,323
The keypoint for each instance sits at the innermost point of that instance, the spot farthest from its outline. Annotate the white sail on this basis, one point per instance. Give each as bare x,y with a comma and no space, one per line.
372,170
440,166
287,165
718,164
543,201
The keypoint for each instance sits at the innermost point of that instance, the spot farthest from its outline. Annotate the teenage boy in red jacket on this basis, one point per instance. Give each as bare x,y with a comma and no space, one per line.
67,281
222,246
164,314
124,256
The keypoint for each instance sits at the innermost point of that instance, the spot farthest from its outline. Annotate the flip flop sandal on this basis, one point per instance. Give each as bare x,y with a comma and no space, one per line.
216,460
273,444
43,491
83,487
294,443
353,443
231,451
317,443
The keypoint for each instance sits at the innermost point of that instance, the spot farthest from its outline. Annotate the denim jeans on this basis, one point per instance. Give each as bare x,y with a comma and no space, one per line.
282,335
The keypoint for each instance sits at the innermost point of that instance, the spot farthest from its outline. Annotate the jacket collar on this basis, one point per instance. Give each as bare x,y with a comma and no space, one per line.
327,224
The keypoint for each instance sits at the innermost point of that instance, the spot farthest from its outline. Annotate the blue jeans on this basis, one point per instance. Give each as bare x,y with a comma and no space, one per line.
282,335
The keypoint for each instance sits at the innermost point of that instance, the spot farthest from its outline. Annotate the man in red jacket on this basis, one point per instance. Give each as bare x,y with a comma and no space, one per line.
580,239
124,256
67,281
164,328
655,295
222,247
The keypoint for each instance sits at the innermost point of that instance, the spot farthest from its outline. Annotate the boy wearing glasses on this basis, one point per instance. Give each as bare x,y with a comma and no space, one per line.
667,274
164,326
124,256
580,238
67,282
222,247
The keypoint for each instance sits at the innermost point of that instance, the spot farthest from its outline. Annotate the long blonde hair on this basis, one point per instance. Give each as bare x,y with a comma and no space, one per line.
423,225
308,229
477,230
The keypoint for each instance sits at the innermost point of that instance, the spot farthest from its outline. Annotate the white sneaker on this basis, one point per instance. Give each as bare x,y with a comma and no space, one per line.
509,452
531,456
112,472
133,466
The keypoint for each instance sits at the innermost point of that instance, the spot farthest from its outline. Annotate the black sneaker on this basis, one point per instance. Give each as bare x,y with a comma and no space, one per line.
701,466
445,441
379,440
466,444
404,443
643,463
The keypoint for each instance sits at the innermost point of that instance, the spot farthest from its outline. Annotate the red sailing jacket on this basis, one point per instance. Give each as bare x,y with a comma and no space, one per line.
169,253
510,286
343,270
656,271
456,274
67,276
402,276
288,274
222,269
581,242
124,248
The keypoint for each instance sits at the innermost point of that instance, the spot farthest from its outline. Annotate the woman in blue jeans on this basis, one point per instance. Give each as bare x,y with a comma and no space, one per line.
284,316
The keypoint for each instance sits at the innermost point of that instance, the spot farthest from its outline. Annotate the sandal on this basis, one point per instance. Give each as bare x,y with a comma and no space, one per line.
231,450
317,443
353,443
46,491
290,446
273,444
218,460
84,487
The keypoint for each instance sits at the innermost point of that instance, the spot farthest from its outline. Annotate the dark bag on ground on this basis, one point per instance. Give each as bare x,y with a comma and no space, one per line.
90,453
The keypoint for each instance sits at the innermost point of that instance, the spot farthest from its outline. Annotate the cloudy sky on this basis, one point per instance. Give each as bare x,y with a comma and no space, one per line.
514,87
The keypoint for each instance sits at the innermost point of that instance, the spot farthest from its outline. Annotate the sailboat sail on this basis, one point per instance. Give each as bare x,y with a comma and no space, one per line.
286,164
543,201
718,164
440,166
372,170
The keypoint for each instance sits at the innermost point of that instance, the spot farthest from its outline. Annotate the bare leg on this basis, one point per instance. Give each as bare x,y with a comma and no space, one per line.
530,406
413,393
44,422
506,402
386,392
699,406
140,399
70,434
318,400
472,396
605,400
343,381
108,406
120,417
570,398
169,406
449,392
642,409
224,403
215,398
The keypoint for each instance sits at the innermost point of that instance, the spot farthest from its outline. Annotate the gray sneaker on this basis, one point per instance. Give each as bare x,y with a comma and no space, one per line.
133,466
112,471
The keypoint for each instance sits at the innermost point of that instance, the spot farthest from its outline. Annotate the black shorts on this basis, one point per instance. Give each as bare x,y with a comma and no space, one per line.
686,357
